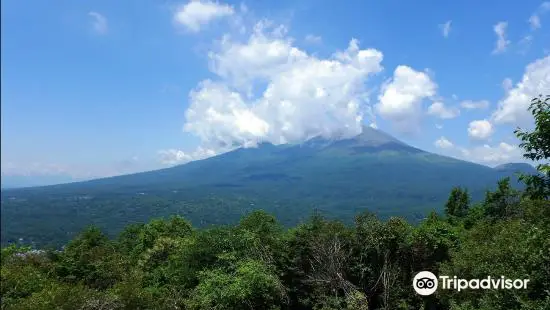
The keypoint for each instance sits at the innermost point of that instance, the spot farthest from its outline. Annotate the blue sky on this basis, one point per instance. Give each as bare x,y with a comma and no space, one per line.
110,87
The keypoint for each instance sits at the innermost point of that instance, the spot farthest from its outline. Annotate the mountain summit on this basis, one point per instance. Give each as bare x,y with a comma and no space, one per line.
368,137
372,170
375,137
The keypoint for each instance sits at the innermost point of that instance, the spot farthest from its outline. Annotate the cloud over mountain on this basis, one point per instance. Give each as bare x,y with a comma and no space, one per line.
269,90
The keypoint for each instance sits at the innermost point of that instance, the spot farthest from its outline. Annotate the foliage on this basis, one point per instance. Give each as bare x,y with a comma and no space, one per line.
537,147
320,264
458,203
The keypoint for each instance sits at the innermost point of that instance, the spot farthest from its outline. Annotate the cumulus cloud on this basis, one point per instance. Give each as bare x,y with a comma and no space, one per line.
486,154
492,155
512,109
502,43
534,20
198,13
268,90
401,97
480,129
99,23
471,105
446,28
173,156
438,109
443,143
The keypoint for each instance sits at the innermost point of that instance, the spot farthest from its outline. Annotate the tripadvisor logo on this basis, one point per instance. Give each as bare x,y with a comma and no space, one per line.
426,283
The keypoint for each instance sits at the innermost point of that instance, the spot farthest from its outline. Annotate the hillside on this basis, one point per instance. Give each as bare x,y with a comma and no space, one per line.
371,171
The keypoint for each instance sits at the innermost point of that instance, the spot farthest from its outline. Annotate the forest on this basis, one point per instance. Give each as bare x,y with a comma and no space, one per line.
318,264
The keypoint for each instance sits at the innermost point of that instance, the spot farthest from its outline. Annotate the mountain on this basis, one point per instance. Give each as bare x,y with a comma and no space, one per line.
515,168
340,178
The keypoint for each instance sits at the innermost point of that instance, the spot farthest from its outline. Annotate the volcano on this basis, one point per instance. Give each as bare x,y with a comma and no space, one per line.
371,171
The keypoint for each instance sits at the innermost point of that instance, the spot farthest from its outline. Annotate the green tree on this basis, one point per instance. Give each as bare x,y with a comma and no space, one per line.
24,272
536,145
68,297
90,258
503,202
251,285
458,203
382,260
511,247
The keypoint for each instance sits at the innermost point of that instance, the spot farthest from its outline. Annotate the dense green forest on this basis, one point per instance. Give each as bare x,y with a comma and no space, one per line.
319,264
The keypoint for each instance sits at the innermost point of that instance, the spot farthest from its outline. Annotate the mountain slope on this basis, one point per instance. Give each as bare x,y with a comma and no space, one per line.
370,171
514,168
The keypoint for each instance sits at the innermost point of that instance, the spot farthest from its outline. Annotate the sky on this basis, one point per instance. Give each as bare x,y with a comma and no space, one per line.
101,88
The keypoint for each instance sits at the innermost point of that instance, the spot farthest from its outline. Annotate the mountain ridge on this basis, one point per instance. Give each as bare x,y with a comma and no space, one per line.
369,140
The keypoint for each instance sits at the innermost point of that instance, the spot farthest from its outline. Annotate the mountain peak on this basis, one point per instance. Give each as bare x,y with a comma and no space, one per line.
516,167
368,137
374,137
370,140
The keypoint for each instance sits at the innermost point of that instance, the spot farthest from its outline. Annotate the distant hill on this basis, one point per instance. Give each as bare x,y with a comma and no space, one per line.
514,168
371,171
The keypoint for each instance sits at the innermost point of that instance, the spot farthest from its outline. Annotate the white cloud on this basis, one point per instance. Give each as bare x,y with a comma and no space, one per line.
492,155
480,129
173,156
512,109
446,28
471,105
198,13
313,39
438,126
502,43
266,54
400,99
439,109
534,20
268,90
99,23
443,143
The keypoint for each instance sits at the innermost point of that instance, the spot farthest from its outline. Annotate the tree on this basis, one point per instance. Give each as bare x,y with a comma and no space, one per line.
458,203
250,285
382,259
503,202
536,145
90,258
